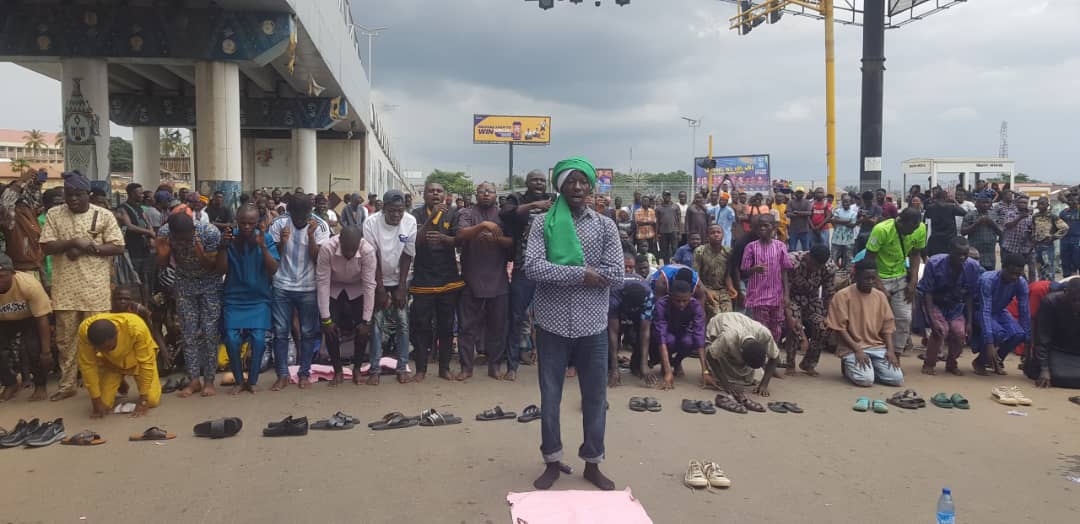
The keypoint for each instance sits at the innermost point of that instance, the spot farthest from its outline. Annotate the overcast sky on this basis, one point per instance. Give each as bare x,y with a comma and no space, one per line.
619,78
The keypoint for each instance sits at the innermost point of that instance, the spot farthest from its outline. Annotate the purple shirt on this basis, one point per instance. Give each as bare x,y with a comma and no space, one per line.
767,288
483,264
950,290
672,325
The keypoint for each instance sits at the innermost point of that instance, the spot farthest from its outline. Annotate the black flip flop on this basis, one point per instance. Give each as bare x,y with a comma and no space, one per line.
170,386
432,417
638,404
778,407
397,422
652,404
335,422
530,413
690,406
706,407
1075,400
220,428
386,418
792,407
495,414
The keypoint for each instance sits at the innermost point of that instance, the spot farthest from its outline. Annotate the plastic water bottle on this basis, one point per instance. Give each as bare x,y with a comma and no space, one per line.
946,512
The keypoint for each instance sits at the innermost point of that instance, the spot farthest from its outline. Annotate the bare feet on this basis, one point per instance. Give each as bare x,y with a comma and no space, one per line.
790,370
280,384
356,379
39,394
303,382
339,377
9,393
419,376
208,390
60,395
194,387
373,379
251,388
679,371
235,390
510,375
571,372
494,374
404,378
614,379
445,375
808,369
929,370
463,376
955,370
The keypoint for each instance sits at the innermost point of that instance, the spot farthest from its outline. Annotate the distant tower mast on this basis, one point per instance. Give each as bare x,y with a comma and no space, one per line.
1003,147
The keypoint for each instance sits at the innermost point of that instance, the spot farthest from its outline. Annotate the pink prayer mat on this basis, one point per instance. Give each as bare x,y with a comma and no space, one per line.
324,372
576,507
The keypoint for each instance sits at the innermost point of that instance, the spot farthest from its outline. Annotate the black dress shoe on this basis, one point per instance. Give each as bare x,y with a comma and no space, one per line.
293,428
20,434
48,433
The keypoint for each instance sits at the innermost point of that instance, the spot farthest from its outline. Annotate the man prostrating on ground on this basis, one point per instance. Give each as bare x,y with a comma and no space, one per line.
573,254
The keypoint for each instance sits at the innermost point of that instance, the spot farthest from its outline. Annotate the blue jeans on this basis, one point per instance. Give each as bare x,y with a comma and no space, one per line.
795,239
820,237
879,370
590,357
521,295
234,338
1070,256
1044,257
401,339
306,305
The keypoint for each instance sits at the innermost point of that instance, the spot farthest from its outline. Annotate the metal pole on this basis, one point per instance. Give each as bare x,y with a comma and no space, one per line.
710,188
693,153
510,176
873,79
830,98
371,63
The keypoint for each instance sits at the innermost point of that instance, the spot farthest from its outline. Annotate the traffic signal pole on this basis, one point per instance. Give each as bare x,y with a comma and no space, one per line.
873,80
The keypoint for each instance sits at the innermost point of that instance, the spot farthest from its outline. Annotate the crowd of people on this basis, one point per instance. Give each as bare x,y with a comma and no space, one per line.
553,275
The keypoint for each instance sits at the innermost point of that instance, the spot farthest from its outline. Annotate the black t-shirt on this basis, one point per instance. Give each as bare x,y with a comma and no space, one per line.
137,244
518,227
942,219
737,250
435,265
221,215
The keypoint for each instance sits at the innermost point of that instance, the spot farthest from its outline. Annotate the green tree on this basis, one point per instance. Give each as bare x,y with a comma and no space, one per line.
851,189
20,165
517,181
454,182
35,142
119,155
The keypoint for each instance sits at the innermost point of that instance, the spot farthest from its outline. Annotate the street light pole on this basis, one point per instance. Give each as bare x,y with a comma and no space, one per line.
693,124
370,33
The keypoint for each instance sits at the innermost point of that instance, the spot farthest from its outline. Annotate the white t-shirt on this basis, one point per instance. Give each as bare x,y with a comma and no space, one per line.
200,217
392,242
332,215
297,269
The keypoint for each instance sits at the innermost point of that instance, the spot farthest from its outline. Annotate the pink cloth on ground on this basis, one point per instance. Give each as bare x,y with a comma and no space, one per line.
324,372
576,507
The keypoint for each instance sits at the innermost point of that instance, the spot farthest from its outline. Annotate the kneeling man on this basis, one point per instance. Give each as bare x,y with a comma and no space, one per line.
863,321
112,346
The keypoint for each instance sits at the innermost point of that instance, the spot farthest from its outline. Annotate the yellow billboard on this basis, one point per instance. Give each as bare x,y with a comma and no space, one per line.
502,129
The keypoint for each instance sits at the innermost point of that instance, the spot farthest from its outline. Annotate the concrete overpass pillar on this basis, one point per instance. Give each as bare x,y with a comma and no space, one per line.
146,156
217,136
84,96
304,145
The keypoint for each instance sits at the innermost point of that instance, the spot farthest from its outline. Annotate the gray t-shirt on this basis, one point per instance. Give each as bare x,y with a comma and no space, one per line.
667,218
799,224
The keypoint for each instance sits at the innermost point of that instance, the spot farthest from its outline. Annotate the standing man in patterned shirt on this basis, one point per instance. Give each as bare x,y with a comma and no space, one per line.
813,283
1018,230
84,238
574,257
982,232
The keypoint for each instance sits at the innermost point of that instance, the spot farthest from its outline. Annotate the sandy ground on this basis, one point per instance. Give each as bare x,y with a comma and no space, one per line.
830,464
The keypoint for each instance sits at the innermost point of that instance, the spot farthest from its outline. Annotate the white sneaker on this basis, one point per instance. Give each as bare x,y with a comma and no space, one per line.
1019,396
716,476
695,476
1004,395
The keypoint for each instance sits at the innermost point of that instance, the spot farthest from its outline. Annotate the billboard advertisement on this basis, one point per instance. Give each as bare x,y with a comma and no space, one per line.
503,129
603,180
750,173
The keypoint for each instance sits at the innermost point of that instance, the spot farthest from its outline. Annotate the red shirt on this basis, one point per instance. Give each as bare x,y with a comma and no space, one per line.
818,210
1036,292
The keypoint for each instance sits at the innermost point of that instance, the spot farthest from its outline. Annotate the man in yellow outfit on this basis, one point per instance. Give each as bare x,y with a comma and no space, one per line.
112,346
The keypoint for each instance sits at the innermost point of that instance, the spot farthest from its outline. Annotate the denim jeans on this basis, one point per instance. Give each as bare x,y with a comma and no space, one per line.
901,310
795,239
590,356
521,295
401,340
1044,257
879,370
234,338
1070,256
820,237
306,305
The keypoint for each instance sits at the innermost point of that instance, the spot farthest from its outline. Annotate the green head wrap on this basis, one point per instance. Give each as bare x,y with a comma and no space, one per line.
560,237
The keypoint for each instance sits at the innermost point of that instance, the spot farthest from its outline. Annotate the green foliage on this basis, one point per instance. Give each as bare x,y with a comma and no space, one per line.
454,182
119,155
851,189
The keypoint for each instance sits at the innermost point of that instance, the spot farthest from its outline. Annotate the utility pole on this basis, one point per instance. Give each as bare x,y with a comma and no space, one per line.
873,86
370,33
693,124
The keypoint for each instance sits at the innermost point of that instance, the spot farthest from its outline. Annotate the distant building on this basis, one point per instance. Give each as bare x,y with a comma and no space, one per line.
13,147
